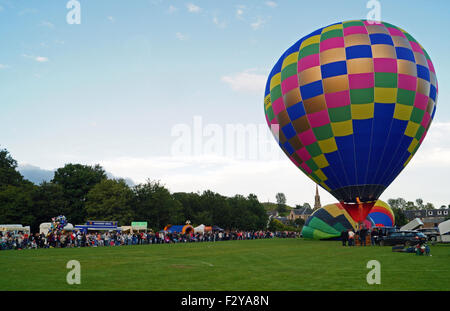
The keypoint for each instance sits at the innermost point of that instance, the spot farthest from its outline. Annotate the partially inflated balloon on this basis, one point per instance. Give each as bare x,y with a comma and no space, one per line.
328,222
382,215
350,104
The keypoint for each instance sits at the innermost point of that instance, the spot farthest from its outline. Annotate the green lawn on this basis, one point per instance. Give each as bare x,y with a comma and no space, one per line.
279,264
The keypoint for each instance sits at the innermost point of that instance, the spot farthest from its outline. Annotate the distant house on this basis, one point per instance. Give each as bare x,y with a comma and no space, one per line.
303,212
284,220
430,218
272,214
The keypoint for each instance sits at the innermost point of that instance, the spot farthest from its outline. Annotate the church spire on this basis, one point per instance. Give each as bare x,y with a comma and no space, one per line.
317,204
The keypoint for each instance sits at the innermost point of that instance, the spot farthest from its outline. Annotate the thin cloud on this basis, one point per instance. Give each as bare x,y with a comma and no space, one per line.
172,9
111,19
218,23
47,24
258,23
240,11
39,59
192,8
181,37
246,81
271,4
3,66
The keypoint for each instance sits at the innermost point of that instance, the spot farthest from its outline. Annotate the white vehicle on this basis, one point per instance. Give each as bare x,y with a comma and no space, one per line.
16,228
444,230
412,225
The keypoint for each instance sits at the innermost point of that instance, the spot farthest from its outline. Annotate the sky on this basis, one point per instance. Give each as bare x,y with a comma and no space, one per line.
173,90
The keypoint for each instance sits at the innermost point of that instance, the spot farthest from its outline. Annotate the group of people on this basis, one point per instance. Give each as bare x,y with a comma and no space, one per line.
349,236
60,238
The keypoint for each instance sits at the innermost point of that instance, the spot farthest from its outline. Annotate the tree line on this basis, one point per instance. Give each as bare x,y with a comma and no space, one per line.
83,192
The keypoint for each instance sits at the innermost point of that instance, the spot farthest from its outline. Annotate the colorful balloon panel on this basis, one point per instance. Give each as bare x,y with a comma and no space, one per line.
327,222
350,104
382,215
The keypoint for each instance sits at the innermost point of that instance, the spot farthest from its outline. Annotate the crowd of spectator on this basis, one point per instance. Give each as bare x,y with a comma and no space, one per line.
61,239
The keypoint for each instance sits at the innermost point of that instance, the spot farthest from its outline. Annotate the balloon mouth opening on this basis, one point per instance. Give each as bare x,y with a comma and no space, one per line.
358,211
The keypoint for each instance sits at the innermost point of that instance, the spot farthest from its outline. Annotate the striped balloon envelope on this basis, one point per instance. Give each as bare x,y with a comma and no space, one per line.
350,104
382,215
328,222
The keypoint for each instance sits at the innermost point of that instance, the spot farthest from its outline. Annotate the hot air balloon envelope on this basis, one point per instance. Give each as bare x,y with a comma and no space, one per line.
350,104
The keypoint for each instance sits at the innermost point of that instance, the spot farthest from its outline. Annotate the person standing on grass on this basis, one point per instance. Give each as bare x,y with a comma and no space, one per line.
344,237
363,235
351,238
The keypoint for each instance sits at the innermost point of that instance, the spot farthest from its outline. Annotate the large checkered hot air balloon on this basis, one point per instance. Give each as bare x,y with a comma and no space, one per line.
350,104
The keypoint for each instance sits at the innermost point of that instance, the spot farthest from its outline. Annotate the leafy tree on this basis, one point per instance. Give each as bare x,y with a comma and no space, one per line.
397,203
8,170
110,200
16,205
410,206
48,202
276,225
281,203
428,206
299,222
419,203
154,203
77,180
400,217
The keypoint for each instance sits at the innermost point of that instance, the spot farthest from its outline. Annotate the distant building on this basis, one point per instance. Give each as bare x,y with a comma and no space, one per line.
430,218
283,219
303,212
317,204
271,214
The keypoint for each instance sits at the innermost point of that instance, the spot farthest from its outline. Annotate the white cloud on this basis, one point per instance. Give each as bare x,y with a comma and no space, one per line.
258,23
246,81
271,4
435,148
218,23
47,24
41,59
240,11
172,9
3,66
220,174
181,37
192,8
111,19
424,177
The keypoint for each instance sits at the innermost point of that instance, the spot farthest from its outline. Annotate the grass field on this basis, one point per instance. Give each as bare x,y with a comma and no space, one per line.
279,264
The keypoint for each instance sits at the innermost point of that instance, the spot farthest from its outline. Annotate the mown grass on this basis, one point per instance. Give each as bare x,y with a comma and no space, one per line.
278,264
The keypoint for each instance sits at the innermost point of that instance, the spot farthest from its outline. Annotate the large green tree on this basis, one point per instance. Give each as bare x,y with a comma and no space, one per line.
155,204
110,200
48,202
77,180
9,176
281,203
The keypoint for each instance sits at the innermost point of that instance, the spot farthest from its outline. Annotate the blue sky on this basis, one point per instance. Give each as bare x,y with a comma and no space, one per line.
111,89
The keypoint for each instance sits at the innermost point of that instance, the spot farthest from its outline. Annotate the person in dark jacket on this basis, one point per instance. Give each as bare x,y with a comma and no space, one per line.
362,236
344,237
